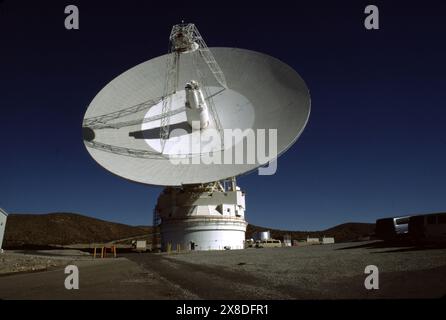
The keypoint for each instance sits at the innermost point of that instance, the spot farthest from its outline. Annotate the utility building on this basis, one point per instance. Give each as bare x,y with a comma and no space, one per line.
3,216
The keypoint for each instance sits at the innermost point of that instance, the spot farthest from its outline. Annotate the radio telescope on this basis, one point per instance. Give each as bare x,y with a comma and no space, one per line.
166,121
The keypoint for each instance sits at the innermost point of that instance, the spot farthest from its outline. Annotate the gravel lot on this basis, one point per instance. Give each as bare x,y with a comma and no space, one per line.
310,272
18,261
334,271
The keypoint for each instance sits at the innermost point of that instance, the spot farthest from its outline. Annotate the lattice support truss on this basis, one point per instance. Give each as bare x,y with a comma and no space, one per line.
104,121
183,38
208,57
186,38
136,153
156,230
170,88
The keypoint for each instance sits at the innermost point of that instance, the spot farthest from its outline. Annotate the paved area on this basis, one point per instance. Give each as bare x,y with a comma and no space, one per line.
311,272
98,279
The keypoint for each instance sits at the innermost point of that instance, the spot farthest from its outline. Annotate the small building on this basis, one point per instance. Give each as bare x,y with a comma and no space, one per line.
313,240
139,245
3,216
287,240
328,240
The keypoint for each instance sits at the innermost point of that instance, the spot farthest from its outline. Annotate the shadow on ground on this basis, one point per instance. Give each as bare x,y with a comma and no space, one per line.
397,246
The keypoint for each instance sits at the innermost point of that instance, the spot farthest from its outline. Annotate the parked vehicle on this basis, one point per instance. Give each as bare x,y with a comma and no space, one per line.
428,227
392,228
270,243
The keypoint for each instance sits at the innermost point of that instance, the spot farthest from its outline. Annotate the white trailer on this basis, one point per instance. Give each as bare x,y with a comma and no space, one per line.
328,240
139,245
313,240
428,227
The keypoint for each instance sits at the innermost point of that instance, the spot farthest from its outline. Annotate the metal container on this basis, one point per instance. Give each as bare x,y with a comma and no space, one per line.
263,235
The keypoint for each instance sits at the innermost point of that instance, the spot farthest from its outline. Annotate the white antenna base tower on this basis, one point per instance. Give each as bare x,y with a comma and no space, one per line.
202,217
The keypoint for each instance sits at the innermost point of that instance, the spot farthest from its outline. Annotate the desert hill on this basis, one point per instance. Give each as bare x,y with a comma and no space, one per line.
34,230
344,232
62,229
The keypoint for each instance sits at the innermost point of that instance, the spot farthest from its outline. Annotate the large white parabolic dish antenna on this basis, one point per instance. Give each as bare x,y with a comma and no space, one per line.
122,124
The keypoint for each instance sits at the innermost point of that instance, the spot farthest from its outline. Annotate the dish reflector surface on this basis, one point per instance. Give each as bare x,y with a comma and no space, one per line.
121,124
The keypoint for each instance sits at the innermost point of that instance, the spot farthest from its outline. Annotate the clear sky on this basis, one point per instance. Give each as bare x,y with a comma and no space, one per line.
374,146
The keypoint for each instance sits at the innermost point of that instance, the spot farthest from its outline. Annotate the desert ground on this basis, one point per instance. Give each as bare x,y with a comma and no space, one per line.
311,272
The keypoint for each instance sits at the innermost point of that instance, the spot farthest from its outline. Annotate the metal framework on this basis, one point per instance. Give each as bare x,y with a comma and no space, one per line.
156,230
187,38
171,85
105,118
136,153
129,123
183,38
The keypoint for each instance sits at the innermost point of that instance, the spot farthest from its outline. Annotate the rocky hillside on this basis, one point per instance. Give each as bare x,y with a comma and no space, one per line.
23,230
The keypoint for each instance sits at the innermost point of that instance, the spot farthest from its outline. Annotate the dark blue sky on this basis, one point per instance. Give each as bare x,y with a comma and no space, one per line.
375,144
